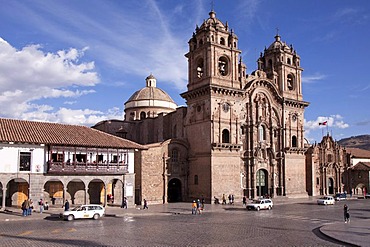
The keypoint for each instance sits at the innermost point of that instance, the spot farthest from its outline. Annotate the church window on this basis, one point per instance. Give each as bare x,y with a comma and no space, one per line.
330,158
290,82
225,107
317,181
174,155
270,64
234,44
222,41
225,136
262,133
142,115
200,42
294,141
222,66
199,108
288,61
200,68
196,179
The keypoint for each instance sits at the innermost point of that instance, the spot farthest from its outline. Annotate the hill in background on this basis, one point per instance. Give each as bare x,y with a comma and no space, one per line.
362,141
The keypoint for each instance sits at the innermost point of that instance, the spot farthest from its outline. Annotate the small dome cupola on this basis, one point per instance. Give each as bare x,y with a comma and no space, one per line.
151,81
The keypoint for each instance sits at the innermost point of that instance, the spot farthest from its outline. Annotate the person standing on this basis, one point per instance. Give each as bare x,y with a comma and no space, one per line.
346,213
66,206
199,207
41,205
194,207
124,203
244,201
24,208
145,204
223,199
30,207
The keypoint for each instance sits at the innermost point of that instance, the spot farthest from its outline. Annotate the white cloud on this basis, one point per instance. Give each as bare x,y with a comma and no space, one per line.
334,121
313,78
30,74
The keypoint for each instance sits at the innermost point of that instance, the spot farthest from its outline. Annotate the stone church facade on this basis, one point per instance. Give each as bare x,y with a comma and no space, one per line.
239,133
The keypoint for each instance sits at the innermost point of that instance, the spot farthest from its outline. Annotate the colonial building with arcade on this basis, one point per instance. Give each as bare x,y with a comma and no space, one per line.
58,162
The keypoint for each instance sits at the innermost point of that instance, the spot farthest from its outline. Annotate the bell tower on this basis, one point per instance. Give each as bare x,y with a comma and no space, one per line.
216,77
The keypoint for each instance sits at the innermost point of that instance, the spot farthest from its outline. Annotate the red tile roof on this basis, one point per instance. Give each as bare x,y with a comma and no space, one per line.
358,152
21,131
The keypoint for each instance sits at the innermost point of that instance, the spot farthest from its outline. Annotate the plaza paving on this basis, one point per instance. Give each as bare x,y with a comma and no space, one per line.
355,233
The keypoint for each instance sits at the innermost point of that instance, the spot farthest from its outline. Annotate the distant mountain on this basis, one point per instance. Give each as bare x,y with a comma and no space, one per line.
362,141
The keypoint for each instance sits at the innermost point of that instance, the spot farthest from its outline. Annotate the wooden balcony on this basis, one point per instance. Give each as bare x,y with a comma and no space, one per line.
64,168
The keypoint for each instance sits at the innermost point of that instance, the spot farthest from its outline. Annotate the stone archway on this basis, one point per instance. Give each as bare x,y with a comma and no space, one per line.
174,190
262,182
17,191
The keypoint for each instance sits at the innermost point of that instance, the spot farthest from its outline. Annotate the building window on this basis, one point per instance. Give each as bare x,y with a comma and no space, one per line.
196,179
262,133
288,61
294,141
225,136
200,68
142,115
222,66
222,41
25,161
174,155
290,82
317,181
330,158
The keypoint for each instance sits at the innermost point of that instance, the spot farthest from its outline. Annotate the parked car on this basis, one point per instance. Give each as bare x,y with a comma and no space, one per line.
326,200
367,195
340,196
260,204
90,211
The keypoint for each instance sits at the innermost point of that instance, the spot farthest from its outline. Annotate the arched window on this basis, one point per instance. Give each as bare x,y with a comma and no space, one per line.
222,41
174,155
290,82
196,179
200,68
223,66
288,61
294,141
142,115
225,136
270,64
262,133
200,42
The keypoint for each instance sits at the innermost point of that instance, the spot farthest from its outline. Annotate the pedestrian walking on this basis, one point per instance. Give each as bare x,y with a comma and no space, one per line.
24,207
244,201
30,207
203,201
194,207
229,199
346,213
41,205
199,207
223,199
145,204
124,203
66,206
232,199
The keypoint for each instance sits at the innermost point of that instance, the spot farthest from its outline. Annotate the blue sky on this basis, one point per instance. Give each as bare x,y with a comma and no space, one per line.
77,62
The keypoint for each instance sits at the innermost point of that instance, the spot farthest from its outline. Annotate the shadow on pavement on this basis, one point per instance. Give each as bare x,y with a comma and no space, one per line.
319,234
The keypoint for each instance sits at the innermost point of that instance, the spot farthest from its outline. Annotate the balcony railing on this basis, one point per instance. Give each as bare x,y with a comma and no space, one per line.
77,168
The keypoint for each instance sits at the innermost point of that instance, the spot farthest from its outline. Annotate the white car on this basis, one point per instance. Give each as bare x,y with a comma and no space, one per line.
260,204
326,200
90,211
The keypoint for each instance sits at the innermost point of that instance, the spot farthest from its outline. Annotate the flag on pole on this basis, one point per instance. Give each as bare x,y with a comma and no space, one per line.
323,123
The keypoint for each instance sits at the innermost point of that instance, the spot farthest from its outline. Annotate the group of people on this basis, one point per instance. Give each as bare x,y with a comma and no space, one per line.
27,207
230,197
197,206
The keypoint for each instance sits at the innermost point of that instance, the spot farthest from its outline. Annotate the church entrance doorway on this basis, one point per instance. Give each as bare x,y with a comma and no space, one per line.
261,182
174,190
331,186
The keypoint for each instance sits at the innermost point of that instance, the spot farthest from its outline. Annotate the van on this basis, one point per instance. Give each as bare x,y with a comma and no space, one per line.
340,196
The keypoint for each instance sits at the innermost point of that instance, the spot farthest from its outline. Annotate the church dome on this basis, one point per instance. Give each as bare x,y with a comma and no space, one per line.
279,45
149,101
213,22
